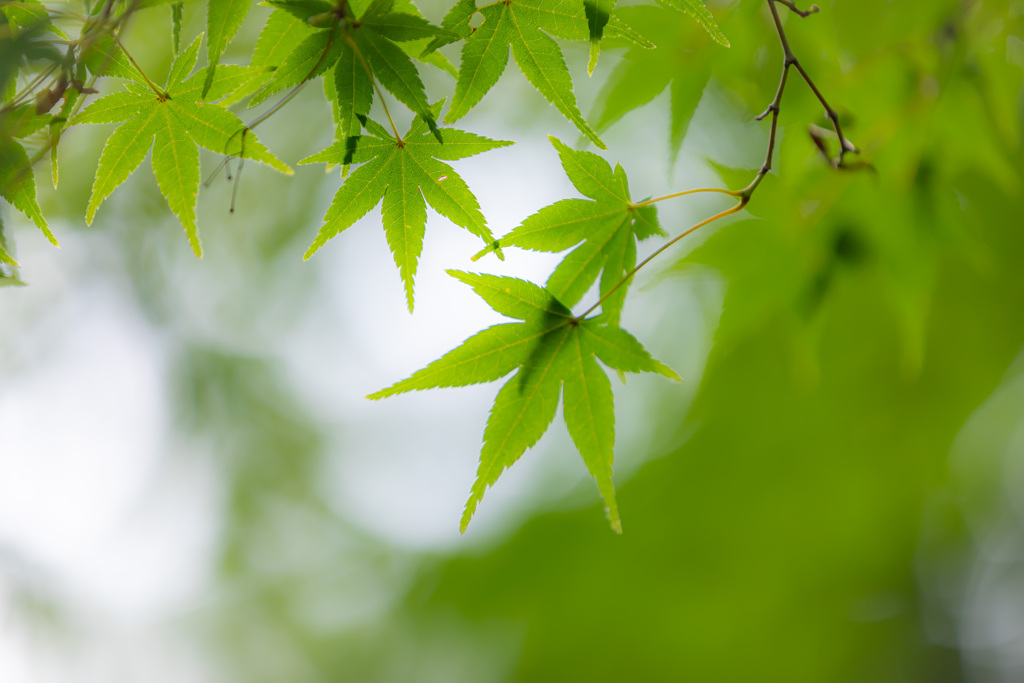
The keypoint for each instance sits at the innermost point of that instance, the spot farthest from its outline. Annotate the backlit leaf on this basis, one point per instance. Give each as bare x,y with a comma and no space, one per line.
553,353
18,185
405,173
174,124
224,17
608,225
522,26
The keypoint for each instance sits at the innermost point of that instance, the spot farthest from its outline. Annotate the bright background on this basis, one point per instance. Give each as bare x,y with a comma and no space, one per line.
193,488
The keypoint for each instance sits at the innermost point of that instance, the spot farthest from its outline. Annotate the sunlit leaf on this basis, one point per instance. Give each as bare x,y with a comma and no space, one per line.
553,354
608,225
406,173
224,18
179,121
522,26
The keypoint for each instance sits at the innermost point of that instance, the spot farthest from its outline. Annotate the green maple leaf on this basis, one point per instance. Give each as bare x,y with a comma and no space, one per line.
277,40
700,14
680,61
406,173
9,276
22,28
18,185
223,19
175,123
552,353
523,26
606,226
361,51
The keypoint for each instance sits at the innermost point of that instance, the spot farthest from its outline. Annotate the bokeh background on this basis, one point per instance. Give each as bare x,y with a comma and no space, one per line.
192,487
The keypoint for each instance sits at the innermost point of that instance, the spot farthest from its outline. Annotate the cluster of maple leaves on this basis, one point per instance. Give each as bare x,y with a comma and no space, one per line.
363,48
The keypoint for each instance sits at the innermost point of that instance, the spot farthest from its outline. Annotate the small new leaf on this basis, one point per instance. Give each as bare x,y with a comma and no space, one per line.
606,226
552,354
406,173
179,121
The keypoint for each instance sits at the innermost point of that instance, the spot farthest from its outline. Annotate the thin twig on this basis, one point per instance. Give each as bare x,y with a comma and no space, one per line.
722,214
789,59
803,13
744,195
646,202
266,115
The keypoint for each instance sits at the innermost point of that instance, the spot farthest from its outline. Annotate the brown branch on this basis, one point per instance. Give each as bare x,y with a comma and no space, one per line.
788,60
803,13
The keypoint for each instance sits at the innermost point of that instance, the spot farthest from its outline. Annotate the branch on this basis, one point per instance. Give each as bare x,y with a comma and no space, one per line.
744,195
803,13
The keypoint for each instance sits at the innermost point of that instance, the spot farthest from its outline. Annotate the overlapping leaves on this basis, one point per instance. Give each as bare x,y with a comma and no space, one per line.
223,19
606,227
552,354
17,179
524,26
362,50
406,173
22,27
680,62
174,122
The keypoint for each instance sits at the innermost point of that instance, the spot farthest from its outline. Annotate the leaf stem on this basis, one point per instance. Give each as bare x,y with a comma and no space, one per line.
648,202
744,195
721,214
266,115
369,72
159,93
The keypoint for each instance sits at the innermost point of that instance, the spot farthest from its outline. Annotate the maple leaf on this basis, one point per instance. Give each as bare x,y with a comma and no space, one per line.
680,61
608,224
362,51
22,27
523,26
223,19
8,275
699,12
277,40
175,123
17,179
403,172
552,354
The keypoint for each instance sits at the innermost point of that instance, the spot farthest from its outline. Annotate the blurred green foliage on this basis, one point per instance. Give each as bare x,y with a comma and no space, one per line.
795,529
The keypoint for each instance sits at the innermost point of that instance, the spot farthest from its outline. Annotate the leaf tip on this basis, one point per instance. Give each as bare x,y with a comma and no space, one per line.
313,248
467,514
